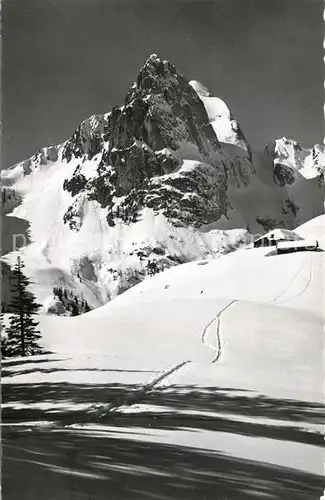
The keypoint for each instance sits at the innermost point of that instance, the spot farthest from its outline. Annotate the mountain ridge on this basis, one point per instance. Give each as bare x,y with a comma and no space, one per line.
170,164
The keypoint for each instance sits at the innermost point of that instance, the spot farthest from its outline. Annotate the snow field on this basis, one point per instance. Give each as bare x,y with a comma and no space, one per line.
259,316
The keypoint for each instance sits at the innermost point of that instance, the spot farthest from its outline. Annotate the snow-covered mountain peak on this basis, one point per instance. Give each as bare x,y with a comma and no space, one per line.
171,157
227,129
153,58
154,62
200,89
155,74
286,145
289,154
161,113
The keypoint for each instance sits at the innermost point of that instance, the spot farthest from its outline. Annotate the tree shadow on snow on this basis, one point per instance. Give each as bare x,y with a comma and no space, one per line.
72,464
209,408
26,371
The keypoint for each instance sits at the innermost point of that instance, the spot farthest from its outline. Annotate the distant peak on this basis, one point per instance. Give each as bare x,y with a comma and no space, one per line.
153,61
154,64
288,141
154,74
153,57
284,144
284,139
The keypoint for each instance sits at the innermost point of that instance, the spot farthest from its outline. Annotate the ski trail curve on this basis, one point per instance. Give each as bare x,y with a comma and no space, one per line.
217,349
310,277
142,392
98,412
277,297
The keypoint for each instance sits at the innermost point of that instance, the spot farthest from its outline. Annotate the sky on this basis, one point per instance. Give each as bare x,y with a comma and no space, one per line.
64,60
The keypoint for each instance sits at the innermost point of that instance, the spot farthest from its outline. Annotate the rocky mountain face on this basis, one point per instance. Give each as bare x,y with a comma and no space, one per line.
145,147
162,179
142,146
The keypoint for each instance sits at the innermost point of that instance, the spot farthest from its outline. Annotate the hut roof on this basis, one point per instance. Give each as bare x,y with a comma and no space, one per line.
309,243
280,234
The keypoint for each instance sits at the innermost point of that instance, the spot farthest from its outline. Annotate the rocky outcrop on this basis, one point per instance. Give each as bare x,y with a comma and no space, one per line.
88,139
283,175
161,122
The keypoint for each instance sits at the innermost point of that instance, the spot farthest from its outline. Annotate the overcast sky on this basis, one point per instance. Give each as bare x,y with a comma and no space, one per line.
64,60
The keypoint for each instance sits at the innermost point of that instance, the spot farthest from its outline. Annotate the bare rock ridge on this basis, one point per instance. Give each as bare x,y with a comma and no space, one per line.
143,143
141,149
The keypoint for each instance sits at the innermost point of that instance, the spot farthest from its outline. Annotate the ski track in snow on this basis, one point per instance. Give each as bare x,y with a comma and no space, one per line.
99,412
217,319
305,287
136,398
305,262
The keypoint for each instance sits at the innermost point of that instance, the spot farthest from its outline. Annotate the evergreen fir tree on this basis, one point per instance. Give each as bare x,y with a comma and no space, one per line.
3,338
57,292
22,333
74,309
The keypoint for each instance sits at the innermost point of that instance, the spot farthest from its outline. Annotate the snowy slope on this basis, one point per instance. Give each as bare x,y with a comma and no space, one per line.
98,261
245,331
271,304
314,229
164,317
